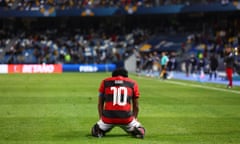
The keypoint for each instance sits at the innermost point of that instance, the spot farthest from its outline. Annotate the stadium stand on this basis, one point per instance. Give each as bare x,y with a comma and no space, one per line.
102,31
66,4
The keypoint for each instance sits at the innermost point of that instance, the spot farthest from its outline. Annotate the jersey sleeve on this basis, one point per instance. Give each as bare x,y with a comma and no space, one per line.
136,91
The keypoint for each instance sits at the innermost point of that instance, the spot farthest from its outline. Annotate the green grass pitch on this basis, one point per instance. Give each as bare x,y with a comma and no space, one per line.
61,109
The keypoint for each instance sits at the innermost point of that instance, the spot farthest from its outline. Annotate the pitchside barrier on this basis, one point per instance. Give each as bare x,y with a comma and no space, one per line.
55,68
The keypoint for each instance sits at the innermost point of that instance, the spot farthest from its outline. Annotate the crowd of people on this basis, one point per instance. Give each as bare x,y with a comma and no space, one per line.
112,43
204,50
66,4
69,46
104,44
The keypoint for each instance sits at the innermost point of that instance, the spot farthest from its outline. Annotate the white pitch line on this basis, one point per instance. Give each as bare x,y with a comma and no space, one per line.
205,87
199,86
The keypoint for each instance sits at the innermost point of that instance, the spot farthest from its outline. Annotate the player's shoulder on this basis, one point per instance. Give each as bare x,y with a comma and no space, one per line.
109,79
120,78
129,80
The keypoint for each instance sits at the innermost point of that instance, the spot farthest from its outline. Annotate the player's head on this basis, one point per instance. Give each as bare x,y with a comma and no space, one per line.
120,72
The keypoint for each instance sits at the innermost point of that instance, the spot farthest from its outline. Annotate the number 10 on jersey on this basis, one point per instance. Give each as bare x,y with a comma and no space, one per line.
119,95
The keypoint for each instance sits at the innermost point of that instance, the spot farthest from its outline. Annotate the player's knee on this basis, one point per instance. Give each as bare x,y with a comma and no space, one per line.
96,131
139,132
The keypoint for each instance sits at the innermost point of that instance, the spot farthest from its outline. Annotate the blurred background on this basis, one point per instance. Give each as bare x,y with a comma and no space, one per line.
126,33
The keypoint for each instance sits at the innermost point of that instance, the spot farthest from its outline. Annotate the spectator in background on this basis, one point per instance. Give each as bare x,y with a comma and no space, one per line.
164,64
150,65
138,61
193,63
187,63
201,65
213,66
156,65
172,65
229,64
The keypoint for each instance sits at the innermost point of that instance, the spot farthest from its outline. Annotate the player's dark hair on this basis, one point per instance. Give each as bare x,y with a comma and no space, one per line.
120,72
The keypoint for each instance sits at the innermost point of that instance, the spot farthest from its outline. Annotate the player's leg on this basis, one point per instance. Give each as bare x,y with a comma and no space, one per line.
229,72
100,128
135,128
96,131
138,132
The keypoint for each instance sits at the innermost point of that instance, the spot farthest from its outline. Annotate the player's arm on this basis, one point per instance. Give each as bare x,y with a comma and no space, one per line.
100,105
135,107
135,100
101,99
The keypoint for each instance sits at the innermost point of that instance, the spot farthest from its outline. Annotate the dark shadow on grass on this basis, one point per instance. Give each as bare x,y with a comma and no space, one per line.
109,135
71,135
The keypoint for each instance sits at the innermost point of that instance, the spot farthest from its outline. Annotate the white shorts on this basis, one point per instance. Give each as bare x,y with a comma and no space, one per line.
128,127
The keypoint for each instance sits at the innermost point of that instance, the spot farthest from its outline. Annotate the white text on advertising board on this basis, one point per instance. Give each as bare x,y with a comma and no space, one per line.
38,69
88,68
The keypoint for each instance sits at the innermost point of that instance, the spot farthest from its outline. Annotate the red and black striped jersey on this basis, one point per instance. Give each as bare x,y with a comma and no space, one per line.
118,93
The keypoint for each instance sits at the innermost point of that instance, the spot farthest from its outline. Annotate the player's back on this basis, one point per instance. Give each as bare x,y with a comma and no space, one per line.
118,93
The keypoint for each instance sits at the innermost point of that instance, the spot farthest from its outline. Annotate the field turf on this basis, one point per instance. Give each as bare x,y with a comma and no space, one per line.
61,109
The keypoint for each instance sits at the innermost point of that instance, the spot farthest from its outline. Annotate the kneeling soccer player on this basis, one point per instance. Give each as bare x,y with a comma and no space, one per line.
118,105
